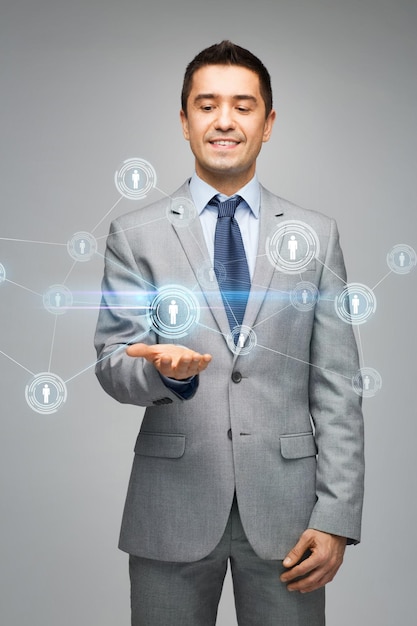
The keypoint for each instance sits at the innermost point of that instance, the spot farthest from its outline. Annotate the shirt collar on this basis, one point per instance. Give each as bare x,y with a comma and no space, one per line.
202,193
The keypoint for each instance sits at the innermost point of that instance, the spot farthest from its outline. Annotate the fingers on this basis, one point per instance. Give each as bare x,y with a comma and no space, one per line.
184,365
320,567
138,349
171,360
297,551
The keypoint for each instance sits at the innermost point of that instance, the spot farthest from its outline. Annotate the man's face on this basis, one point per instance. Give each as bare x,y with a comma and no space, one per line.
225,124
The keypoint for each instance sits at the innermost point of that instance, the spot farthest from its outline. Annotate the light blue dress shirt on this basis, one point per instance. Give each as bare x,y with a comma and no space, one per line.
247,215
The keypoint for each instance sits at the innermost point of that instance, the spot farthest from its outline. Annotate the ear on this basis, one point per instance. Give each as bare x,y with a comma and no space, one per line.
184,123
269,122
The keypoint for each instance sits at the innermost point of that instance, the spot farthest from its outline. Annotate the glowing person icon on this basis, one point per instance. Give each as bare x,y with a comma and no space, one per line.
135,179
46,392
173,312
304,296
402,259
292,247
58,299
355,304
366,383
82,246
241,340
212,274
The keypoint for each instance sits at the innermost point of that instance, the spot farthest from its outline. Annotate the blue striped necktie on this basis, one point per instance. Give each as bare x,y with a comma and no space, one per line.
230,264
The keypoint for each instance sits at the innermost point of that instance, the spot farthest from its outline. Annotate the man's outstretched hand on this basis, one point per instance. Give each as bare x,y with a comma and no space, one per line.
320,567
171,360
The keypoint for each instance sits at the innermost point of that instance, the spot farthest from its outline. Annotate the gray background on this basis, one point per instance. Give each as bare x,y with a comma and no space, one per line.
84,86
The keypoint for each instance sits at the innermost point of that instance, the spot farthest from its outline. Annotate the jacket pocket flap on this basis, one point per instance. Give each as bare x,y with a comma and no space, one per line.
160,444
298,446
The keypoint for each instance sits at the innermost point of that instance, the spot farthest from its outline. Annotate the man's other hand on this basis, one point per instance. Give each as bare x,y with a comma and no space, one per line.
319,567
170,360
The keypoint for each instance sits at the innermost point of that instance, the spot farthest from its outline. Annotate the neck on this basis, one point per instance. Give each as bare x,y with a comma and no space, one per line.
228,184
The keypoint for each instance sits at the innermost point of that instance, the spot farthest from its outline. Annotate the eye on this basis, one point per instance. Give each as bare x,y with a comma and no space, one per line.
207,107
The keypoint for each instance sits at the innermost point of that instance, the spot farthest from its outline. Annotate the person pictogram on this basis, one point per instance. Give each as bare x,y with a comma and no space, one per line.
355,304
293,247
173,312
135,179
46,392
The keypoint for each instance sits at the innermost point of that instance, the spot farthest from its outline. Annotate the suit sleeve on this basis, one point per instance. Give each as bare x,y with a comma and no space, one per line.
127,291
335,408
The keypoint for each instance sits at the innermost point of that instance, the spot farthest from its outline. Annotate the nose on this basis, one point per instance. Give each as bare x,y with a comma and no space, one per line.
224,120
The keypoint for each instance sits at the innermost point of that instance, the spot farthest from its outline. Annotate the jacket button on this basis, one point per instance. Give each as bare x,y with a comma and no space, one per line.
229,434
236,377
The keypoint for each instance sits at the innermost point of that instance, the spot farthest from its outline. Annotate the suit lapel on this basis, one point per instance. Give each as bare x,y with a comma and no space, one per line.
192,240
271,213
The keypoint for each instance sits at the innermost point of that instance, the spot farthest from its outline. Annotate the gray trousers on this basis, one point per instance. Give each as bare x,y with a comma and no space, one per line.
187,594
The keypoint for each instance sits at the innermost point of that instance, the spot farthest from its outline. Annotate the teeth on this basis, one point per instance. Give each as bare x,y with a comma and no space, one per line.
225,143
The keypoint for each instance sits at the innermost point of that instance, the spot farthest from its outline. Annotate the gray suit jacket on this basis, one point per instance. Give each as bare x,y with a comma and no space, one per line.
281,425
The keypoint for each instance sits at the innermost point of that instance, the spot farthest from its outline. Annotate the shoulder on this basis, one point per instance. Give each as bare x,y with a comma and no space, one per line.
288,210
155,212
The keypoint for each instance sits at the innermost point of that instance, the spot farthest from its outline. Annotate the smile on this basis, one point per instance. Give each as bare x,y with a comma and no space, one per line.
222,142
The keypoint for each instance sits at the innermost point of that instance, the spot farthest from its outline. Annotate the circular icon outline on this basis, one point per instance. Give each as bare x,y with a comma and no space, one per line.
46,379
211,275
362,390
173,293
274,243
301,287
147,170
79,238
248,334
344,299
398,250
57,292
179,215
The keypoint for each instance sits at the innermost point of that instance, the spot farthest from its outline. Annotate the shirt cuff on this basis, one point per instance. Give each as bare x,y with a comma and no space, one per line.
184,389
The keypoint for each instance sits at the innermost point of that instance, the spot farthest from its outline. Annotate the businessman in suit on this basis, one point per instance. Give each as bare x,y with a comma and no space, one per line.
251,447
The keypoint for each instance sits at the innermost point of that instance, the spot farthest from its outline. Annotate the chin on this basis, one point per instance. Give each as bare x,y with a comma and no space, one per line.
222,165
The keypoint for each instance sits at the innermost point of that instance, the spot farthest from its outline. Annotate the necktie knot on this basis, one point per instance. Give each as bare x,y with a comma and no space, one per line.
226,208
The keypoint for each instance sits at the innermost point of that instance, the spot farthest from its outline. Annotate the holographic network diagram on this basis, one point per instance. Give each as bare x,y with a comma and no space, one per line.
174,310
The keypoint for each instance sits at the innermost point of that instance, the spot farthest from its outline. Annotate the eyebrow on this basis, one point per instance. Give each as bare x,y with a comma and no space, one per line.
214,96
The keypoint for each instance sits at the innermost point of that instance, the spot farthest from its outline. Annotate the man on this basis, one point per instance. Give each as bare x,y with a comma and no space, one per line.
251,449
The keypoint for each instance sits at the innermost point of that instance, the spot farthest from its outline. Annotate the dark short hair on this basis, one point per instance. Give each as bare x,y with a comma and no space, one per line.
228,53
